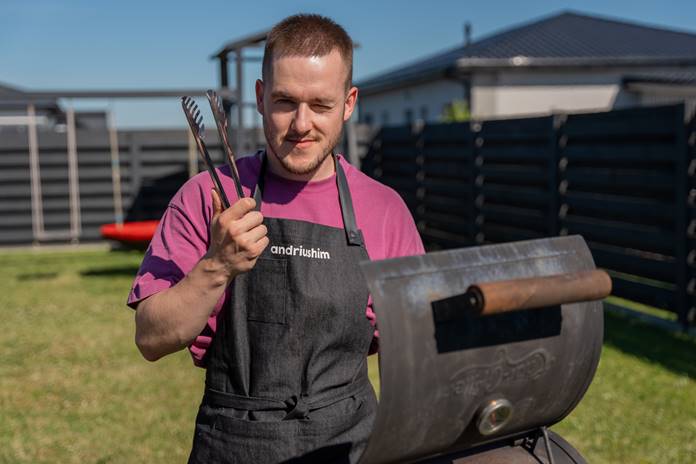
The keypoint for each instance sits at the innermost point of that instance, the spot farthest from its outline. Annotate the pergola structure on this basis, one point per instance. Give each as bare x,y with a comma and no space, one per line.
235,50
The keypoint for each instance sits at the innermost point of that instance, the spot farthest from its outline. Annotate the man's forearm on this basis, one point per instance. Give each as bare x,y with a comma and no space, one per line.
170,320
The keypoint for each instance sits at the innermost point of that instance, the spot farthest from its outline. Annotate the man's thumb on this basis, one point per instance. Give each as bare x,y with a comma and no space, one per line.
217,203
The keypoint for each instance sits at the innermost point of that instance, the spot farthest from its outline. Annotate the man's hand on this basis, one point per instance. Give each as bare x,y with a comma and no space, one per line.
237,236
171,319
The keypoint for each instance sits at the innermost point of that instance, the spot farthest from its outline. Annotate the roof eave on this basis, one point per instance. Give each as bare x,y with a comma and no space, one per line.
465,66
52,95
681,89
524,62
405,81
13,104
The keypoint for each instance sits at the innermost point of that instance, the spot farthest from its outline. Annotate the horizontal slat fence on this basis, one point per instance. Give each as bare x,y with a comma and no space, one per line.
153,165
690,251
624,180
628,201
445,211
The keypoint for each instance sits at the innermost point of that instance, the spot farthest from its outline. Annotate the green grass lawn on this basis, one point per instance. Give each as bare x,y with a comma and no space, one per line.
74,389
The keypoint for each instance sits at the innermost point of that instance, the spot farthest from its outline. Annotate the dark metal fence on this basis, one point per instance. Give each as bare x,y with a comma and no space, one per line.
624,180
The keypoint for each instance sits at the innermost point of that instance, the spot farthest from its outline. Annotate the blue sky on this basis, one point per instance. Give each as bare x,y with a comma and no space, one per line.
166,44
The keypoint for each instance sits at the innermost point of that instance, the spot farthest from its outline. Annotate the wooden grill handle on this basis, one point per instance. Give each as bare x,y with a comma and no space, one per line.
539,292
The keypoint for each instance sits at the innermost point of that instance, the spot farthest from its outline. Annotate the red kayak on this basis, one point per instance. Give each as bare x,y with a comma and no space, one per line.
135,234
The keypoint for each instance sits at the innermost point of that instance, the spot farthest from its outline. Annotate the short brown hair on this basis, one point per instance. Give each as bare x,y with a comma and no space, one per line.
308,35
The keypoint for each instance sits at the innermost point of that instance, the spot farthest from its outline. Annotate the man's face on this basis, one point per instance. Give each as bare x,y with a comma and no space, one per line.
304,104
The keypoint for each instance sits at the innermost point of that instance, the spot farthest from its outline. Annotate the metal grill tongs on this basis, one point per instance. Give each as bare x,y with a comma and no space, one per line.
194,118
221,122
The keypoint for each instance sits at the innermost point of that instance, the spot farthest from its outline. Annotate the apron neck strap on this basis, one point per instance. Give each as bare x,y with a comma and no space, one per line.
258,195
353,234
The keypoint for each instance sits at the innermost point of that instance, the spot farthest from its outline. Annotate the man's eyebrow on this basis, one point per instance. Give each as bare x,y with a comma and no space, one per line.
321,101
281,94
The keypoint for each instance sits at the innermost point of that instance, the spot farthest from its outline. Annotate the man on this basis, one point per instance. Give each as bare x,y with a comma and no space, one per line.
267,294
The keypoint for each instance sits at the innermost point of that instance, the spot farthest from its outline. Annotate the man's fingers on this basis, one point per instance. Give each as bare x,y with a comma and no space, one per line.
239,209
257,248
241,226
249,239
236,226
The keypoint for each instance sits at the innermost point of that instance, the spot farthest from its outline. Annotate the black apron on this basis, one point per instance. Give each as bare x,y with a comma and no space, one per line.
286,376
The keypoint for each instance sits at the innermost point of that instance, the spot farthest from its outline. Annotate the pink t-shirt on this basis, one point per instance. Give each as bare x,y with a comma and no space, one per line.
182,236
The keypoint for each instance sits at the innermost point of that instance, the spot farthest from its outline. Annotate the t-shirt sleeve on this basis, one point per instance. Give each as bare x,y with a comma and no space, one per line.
401,238
175,248
405,240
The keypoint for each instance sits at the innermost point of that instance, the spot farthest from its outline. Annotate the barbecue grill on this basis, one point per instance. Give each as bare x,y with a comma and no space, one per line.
462,384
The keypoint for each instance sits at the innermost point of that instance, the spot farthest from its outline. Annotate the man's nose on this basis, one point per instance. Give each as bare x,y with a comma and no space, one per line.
302,122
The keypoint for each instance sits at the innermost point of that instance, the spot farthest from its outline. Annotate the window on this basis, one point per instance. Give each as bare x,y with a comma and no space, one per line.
424,113
408,116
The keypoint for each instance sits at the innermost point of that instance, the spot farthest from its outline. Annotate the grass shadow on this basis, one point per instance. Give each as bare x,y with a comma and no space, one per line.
673,351
111,271
37,276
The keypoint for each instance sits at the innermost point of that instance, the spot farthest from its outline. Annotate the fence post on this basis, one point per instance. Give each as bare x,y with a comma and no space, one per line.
37,223
135,174
681,201
689,317
351,143
477,196
558,184
417,132
556,174
73,178
115,168
377,166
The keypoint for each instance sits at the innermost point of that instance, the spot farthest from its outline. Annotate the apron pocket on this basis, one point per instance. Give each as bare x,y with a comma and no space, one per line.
267,287
258,442
342,415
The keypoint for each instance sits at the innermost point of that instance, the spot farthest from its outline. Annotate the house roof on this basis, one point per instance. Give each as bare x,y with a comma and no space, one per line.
564,39
7,91
12,98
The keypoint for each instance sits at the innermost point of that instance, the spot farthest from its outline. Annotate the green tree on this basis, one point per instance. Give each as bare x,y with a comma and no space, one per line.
456,111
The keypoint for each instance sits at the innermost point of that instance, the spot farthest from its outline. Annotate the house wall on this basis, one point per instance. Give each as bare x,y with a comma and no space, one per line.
534,91
663,95
516,92
424,101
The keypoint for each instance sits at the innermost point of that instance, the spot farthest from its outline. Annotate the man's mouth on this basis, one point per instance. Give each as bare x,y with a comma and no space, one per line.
301,142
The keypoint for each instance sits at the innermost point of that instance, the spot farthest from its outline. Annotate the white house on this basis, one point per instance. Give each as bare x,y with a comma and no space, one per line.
567,62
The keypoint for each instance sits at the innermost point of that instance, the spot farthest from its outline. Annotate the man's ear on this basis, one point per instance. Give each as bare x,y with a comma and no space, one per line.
349,105
259,96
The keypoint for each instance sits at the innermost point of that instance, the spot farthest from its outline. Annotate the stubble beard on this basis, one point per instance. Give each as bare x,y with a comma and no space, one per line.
299,170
